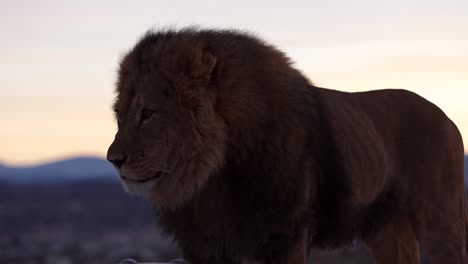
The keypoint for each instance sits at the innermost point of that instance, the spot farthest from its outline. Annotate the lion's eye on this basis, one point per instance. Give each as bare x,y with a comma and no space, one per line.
146,114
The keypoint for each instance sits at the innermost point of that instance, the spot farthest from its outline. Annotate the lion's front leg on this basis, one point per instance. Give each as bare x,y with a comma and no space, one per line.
297,251
395,243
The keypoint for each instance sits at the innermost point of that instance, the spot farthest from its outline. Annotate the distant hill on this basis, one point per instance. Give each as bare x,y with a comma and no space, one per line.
79,168
466,170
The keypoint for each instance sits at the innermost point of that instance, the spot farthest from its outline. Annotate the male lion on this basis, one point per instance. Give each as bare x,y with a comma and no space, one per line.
248,162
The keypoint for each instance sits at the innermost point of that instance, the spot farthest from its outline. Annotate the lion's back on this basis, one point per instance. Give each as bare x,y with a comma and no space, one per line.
415,126
400,136
394,149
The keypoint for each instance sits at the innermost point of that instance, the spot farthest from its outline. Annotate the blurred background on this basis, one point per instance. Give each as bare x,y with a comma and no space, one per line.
60,202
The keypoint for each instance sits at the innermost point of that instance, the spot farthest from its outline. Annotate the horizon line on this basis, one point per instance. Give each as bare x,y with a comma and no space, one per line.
71,157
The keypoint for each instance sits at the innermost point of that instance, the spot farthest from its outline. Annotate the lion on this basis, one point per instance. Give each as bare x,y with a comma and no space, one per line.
248,162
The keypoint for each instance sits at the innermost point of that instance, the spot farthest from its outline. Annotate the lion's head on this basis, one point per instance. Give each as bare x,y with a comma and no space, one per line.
170,138
190,101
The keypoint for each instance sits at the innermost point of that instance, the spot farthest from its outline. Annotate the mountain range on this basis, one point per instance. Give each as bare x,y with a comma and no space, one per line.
466,170
73,169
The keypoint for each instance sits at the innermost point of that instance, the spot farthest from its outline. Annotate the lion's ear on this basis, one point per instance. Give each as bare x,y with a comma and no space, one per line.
203,63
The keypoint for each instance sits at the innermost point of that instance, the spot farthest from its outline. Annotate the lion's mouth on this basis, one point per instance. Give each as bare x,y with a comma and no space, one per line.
156,176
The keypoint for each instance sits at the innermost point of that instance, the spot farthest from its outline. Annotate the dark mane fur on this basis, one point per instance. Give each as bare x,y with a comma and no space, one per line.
253,202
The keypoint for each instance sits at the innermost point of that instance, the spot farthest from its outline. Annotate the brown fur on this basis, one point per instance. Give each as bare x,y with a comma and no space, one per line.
258,165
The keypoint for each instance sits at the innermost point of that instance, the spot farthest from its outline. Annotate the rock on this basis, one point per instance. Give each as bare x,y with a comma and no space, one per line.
128,261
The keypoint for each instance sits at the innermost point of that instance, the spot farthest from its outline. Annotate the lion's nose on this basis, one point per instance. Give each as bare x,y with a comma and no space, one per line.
115,154
117,161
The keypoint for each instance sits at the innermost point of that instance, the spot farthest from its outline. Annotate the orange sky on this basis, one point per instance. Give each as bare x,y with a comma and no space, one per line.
58,58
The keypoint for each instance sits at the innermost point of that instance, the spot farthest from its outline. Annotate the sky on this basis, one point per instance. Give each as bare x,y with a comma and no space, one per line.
58,59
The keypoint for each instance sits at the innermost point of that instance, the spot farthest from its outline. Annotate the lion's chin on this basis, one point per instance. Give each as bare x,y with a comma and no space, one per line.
140,187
